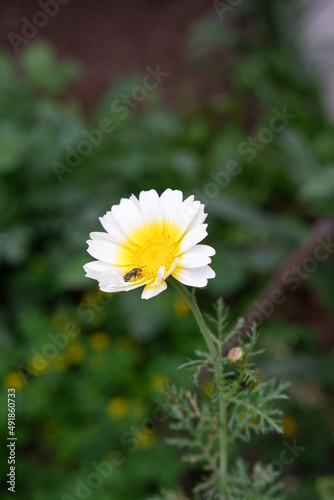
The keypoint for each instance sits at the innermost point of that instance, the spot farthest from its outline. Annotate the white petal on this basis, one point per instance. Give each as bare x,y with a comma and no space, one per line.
113,281
105,251
190,208
110,280
128,217
135,200
106,237
190,199
197,256
197,208
96,235
150,206
110,225
99,236
161,272
173,267
115,289
171,202
95,268
194,277
193,237
172,196
152,291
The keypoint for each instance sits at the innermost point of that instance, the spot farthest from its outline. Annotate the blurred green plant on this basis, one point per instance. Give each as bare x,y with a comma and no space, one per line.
256,220
235,405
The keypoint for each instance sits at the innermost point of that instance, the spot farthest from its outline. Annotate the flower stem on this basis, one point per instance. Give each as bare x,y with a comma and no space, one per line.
192,303
222,424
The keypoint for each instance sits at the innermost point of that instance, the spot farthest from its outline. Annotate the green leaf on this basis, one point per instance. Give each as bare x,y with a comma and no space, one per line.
14,247
42,68
301,164
185,162
320,185
13,144
234,211
7,74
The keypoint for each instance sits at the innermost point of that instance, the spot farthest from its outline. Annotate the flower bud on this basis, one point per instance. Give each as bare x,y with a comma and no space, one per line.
235,354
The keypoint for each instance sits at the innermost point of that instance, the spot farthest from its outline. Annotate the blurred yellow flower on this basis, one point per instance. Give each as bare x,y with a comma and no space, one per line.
158,380
37,364
253,421
117,407
60,363
104,297
207,386
290,425
125,343
89,296
99,340
145,438
59,319
75,353
13,379
259,378
181,307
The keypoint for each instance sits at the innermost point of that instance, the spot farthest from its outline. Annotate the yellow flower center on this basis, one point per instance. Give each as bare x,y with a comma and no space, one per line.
155,253
157,245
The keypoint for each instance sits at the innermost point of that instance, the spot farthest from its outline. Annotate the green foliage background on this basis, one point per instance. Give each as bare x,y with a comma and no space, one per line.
93,390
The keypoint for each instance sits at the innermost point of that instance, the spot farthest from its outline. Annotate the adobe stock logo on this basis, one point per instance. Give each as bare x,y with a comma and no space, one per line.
287,456
100,472
248,150
294,276
59,341
30,28
120,108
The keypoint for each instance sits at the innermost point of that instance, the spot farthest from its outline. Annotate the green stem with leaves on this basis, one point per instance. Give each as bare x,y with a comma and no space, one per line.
222,424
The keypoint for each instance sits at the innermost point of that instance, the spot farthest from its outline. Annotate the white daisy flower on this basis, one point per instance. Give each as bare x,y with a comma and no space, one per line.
149,239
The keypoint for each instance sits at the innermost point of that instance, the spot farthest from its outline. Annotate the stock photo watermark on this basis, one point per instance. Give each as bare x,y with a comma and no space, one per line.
122,107
248,149
132,439
101,471
30,27
147,427
58,342
11,440
288,455
294,277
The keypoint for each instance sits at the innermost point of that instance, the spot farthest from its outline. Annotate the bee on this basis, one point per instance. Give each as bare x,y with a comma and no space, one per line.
134,273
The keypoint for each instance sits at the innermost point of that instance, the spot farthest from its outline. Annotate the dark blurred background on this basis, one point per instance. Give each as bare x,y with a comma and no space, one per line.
113,39
229,100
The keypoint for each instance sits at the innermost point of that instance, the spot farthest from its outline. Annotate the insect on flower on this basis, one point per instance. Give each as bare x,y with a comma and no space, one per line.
134,273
